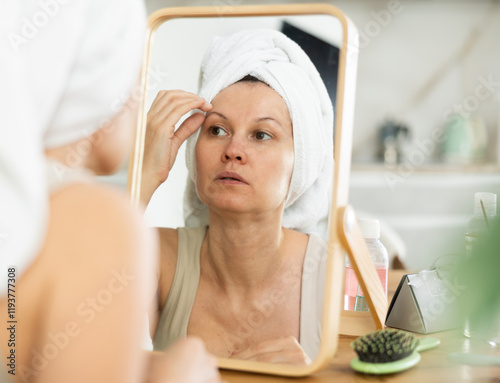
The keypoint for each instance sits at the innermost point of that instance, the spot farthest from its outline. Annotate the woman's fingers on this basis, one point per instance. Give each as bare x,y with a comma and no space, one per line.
162,141
179,107
169,107
166,119
164,97
188,127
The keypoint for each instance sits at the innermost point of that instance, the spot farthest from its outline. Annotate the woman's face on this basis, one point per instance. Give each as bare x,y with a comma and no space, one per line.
244,153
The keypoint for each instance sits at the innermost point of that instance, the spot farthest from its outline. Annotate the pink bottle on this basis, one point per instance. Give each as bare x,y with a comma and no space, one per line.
353,294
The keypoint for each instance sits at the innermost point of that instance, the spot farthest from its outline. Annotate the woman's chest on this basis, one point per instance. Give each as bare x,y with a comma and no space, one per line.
231,327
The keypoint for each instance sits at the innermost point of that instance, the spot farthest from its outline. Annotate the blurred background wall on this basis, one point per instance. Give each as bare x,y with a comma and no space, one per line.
420,62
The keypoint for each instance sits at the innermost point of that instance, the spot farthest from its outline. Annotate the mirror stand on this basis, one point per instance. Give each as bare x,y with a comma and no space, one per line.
361,322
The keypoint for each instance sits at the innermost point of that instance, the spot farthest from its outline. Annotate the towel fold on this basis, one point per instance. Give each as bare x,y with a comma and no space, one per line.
273,58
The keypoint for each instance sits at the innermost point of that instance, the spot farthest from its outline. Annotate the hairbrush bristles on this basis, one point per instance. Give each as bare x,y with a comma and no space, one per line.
384,346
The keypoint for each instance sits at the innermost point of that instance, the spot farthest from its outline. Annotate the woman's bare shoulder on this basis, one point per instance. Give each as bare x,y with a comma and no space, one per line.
98,221
296,236
99,210
296,244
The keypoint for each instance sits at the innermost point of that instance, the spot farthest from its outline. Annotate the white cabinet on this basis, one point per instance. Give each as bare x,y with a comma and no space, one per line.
429,210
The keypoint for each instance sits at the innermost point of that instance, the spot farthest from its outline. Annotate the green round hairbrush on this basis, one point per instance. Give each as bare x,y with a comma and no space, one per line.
388,351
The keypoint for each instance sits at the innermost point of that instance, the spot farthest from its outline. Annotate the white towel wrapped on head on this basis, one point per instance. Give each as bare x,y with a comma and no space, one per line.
273,58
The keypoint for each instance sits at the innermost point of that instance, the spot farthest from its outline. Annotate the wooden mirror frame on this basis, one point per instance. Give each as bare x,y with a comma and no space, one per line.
344,233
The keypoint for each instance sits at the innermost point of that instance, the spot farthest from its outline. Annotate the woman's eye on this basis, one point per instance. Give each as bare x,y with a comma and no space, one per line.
216,131
262,136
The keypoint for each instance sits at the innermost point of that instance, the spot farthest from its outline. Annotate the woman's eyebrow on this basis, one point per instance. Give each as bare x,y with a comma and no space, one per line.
256,120
217,113
284,127
268,119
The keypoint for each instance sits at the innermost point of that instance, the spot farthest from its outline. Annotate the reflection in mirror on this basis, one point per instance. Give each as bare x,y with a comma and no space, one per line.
250,190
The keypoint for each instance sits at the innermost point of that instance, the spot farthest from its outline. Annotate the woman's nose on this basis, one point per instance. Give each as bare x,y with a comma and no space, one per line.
235,151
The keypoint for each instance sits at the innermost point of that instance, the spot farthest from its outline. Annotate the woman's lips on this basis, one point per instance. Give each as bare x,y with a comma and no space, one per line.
230,178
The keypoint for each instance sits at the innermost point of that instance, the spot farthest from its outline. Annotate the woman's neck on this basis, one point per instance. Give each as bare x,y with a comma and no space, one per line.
243,255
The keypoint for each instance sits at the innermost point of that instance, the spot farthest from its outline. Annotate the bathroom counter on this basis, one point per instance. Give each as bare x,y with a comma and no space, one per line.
433,366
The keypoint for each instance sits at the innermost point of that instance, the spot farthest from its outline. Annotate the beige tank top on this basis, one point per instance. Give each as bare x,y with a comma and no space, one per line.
177,308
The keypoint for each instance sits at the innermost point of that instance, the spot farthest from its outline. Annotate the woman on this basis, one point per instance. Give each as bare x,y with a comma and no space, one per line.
259,167
76,257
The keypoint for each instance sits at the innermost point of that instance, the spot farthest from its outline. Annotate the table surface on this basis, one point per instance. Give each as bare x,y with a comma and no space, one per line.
433,367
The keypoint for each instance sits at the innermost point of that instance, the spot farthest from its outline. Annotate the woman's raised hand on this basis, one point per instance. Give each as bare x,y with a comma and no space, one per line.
281,350
163,140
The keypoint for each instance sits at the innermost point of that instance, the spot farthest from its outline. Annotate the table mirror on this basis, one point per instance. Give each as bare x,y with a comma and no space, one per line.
175,44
